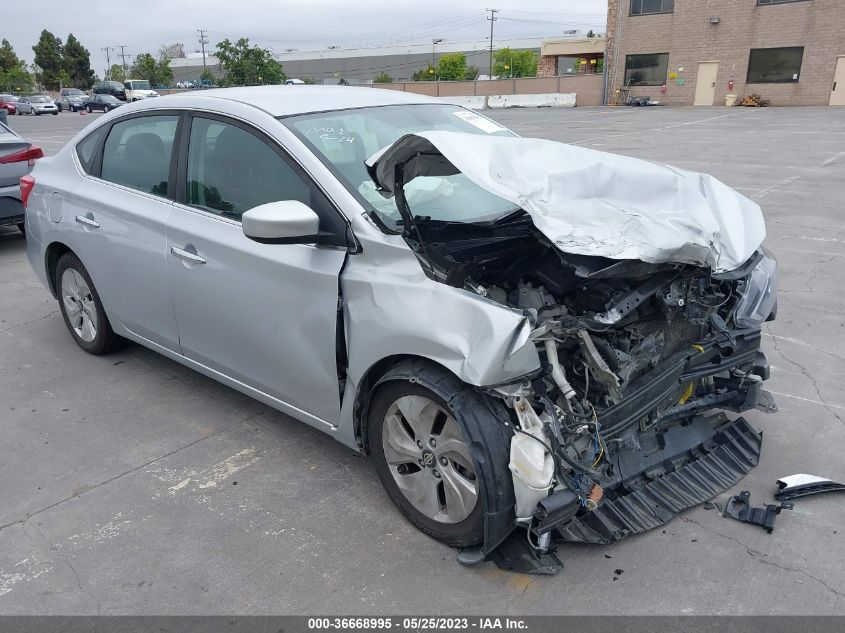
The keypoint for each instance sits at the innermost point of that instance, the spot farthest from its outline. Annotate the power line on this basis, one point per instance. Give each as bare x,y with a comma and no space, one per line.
492,17
107,50
122,48
203,40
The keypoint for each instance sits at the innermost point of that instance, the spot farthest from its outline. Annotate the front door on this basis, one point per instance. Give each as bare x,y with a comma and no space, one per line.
264,315
837,94
705,85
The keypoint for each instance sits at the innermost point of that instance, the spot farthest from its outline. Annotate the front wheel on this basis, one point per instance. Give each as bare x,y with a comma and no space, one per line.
90,110
82,308
56,113
422,423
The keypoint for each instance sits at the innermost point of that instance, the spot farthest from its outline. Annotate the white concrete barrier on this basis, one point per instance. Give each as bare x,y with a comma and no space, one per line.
547,100
550,100
473,103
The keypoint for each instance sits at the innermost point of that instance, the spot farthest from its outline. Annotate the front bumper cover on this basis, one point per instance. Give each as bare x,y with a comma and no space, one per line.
670,471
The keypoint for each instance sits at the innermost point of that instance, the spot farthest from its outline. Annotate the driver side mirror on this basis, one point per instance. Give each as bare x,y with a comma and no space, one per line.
286,222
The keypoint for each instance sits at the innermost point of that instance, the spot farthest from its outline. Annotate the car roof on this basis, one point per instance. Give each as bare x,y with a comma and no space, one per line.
300,99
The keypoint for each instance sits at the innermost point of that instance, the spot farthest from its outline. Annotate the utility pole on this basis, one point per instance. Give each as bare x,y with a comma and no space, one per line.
107,50
122,48
203,40
492,18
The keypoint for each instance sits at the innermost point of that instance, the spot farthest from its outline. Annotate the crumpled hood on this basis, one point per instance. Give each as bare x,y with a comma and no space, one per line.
589,202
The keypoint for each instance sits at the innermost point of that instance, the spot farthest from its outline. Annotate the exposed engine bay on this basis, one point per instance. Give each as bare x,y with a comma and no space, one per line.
631,352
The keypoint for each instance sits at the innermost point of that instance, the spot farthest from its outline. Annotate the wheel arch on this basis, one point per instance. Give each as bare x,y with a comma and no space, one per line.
52,254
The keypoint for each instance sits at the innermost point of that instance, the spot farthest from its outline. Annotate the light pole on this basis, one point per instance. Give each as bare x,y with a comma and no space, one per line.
433,44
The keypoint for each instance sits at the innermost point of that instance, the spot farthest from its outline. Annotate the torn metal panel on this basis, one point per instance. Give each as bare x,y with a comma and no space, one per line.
589,202
802,485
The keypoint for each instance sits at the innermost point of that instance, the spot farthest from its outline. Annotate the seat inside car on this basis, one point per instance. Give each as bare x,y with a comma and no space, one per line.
144,164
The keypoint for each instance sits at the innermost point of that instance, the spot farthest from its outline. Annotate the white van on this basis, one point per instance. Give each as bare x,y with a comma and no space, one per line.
138,89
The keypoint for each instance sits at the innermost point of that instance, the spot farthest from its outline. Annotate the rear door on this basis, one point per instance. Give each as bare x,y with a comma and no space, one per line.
264,315
118,216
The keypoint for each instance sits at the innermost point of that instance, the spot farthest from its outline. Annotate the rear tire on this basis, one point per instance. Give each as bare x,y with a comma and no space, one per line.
90,110
82,308
464,446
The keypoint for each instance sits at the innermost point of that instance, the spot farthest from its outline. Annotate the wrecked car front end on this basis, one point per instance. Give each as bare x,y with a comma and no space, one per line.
647,328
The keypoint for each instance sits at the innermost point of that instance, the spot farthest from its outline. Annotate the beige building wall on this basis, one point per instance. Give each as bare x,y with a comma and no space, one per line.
689,37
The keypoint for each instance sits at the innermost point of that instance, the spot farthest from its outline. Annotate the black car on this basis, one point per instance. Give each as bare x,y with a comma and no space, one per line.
113,88
102,102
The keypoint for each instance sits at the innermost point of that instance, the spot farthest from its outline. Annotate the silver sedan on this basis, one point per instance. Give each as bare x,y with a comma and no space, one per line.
394,271
38,104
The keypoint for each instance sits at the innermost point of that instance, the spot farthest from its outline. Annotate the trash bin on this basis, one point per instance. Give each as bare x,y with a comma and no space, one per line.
2,115
730,100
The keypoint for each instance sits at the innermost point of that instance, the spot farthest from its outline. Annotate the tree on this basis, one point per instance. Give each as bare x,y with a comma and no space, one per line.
207,75
472,73
382,78
171,51
511,63
76,62
157,72
426,74
13,73
116,73
48,57
246,65
452,67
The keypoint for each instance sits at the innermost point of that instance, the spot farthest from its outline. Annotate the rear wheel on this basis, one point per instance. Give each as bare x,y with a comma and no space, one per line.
422,422
82,308
90,110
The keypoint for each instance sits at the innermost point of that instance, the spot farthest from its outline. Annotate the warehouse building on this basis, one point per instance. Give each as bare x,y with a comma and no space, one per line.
361,65
685,52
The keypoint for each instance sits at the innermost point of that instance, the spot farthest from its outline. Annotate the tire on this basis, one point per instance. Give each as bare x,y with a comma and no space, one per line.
105,109
36,113
56,113
456,413
90,109
84,305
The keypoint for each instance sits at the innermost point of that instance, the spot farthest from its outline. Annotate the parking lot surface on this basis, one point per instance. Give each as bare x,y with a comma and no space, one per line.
132,485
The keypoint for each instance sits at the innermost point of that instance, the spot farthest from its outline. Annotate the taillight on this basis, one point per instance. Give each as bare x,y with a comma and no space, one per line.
29,155
27,185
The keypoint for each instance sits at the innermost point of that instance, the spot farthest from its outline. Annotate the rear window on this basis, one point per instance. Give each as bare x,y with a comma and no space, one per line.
86,149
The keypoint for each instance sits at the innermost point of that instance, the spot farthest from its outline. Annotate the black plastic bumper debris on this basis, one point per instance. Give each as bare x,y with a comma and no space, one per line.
687,466
739,508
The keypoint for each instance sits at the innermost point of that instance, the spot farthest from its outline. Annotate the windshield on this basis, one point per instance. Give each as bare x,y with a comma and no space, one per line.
139,85
73,92
345,139
108,98
8,98
39,99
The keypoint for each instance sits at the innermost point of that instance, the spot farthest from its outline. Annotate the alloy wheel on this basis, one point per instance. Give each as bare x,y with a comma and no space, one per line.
429,459
79,305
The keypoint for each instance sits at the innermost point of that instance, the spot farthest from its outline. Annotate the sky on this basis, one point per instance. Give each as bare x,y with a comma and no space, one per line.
281,24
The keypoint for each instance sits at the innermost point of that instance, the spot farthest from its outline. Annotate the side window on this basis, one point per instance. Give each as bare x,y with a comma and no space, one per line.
231,171
86,149
137,153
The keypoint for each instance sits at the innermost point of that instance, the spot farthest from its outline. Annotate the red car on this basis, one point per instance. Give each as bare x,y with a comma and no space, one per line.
8,102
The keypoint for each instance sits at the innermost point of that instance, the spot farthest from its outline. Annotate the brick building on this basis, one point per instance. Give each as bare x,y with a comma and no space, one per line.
685,52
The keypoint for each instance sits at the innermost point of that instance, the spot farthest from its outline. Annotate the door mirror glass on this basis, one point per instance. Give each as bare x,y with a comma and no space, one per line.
287,221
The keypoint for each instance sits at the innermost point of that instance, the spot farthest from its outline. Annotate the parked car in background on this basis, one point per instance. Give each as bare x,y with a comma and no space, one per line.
37,105
137,89
7,102
103,103
292,82
113,88
187,84
17,156
516,346
71,99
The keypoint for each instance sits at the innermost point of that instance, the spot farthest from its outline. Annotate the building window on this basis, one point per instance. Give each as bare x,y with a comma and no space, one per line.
646,70
775,65
761,2
646,7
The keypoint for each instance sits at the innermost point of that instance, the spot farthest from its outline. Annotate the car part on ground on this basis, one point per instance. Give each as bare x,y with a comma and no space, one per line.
739,508
801,485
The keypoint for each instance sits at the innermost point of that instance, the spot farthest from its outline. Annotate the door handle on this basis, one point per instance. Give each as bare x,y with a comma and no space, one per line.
187,256
82,219
834,86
